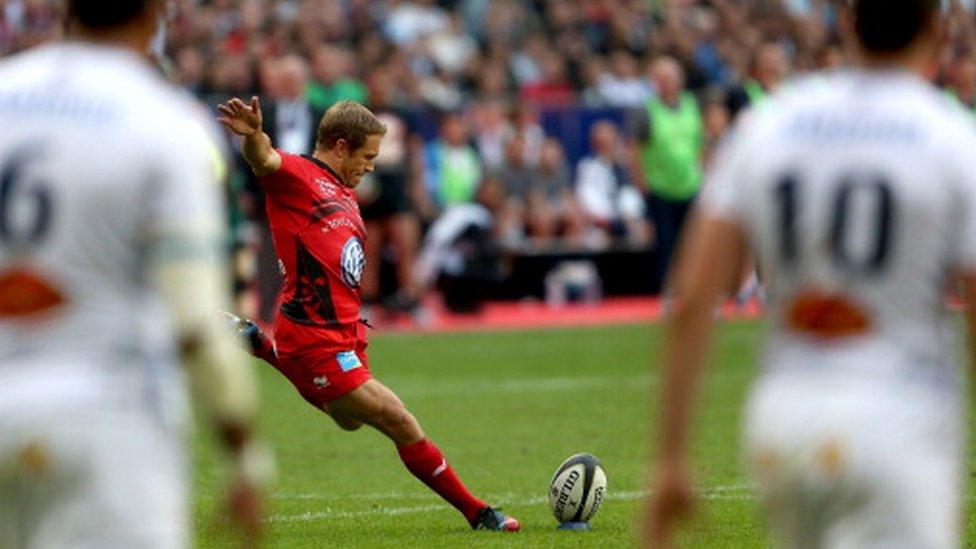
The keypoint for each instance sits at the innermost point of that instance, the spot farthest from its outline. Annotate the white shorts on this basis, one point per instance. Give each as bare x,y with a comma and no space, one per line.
92,480
844,463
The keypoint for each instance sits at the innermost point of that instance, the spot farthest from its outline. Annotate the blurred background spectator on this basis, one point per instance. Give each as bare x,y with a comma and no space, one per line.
385,197
522,93
667,148
611,204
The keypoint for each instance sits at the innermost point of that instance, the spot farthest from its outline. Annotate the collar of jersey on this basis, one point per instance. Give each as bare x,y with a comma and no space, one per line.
325,167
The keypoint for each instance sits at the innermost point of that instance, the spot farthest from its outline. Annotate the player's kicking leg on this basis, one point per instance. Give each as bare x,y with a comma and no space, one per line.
252,337
376,405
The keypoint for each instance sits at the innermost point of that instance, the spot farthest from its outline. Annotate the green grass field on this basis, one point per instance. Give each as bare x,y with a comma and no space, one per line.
506,409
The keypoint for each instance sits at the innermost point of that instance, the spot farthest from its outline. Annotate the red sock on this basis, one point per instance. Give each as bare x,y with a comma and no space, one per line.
427,463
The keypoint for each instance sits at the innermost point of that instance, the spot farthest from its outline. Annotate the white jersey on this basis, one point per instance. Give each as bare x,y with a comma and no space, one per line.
99,159
859,183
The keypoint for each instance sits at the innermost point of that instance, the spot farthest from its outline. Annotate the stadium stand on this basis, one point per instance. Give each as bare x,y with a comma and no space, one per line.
517,79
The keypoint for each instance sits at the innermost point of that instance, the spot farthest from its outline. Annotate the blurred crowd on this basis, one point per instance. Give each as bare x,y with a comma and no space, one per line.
466,88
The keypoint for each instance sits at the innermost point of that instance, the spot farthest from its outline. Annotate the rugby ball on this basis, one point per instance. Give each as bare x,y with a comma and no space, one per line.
577,489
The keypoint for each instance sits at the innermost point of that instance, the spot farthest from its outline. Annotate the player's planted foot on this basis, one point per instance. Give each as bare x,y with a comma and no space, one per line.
493,519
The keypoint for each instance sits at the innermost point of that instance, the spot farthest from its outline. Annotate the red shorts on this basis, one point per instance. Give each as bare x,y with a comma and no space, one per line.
323,379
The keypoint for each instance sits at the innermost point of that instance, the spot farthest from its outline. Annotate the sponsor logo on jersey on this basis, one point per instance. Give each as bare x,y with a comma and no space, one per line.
326,187
352,261
320,381
348,361
337,223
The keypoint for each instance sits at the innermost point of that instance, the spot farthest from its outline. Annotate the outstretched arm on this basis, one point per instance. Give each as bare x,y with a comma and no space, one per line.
245,120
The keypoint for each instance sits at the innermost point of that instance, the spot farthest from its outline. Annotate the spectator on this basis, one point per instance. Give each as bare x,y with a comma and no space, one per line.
715,122
527,126
290,120
492,130
551,203
667,153
191,70
515,173
622,87
610,203
451,48
769,69
441,91
409,20
492,82
452,167
553,88
334,80
526,64
592,72
231,76
461,252
385,196
962,83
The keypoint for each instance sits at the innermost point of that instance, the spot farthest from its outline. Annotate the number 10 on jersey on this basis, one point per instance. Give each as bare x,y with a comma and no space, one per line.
789,195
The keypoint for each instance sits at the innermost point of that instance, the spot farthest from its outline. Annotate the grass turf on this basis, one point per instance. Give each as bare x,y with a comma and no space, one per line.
506,409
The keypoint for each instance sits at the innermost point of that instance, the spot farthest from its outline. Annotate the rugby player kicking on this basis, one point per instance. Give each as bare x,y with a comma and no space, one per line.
857,191
320,341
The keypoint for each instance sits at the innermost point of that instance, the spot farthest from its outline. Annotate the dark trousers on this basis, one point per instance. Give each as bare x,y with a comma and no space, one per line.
668,217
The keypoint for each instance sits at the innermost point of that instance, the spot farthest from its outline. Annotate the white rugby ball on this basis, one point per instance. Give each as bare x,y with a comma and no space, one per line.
577,489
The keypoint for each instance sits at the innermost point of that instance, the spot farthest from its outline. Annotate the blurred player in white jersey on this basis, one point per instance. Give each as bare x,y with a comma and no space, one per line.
857,192
110,273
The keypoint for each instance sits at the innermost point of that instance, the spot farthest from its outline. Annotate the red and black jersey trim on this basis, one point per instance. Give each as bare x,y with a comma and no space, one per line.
324,208
321,209
312,303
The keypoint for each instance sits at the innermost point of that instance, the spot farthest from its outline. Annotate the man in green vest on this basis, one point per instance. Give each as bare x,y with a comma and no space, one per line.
962,83
668,145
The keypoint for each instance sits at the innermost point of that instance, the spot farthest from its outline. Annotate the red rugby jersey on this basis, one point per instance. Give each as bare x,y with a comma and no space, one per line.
318,237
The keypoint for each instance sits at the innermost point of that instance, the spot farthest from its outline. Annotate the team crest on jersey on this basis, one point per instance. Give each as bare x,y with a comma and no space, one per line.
352,262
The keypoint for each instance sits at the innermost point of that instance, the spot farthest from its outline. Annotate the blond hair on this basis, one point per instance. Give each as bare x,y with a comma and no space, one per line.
350,121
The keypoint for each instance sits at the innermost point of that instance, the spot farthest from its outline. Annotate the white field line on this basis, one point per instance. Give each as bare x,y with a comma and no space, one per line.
744,492
529,385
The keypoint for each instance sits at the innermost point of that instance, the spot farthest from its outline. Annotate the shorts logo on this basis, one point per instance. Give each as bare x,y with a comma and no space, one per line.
348,361
320,381
352,262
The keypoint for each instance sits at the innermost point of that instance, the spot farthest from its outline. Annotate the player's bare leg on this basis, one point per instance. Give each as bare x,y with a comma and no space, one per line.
376,405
